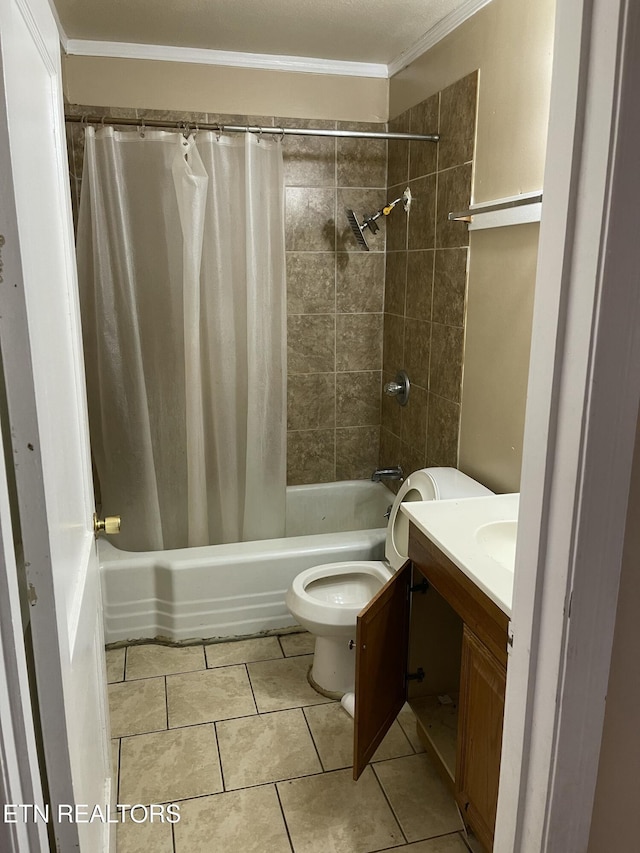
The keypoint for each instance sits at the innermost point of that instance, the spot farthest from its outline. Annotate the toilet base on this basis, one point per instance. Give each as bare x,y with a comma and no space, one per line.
330,694
334,666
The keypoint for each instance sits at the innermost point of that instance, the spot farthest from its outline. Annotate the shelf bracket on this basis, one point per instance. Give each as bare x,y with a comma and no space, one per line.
513,210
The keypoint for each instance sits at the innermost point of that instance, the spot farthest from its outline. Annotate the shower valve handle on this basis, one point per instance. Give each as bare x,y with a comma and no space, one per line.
399,388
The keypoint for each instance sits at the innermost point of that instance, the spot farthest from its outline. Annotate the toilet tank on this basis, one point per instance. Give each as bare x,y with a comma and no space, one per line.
426,484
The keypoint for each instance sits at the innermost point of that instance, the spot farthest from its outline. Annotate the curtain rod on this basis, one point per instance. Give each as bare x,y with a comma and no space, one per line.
234,128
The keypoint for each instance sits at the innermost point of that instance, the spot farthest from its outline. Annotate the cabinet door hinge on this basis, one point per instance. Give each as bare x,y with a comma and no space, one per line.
509,638
422,587
416,676
31,595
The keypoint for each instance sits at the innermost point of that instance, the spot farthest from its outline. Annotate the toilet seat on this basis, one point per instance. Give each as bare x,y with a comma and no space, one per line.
419,486
332,594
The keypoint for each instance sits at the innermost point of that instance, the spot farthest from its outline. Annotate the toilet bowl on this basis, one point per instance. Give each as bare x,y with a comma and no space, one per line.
327,599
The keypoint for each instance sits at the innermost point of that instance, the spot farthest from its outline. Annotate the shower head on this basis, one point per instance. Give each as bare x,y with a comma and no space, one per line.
357,228
370,221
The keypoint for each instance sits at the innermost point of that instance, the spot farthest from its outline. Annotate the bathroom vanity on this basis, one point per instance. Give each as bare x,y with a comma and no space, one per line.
436,635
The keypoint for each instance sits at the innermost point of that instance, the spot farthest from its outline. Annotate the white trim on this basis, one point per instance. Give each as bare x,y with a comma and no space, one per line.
583,395
64,38
272,62
19,768
434,35
235,59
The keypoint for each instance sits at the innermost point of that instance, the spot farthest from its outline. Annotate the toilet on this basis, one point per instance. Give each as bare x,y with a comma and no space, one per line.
327,599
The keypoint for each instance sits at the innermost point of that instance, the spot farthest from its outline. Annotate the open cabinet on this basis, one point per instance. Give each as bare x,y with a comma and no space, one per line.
432,638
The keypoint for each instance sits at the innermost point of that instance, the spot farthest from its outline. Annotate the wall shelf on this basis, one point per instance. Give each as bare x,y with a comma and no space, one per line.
513,210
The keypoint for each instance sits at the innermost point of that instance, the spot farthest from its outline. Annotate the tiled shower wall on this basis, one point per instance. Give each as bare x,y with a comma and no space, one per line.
335,291
425,283
335,299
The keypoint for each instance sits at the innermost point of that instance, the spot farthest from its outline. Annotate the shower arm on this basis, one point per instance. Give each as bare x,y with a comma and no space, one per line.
384,211
370,221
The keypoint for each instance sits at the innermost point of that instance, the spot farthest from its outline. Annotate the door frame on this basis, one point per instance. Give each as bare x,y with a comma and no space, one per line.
59,644
582,413
19,768
16,356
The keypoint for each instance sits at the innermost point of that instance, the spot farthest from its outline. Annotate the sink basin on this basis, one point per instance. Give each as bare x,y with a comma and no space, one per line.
478,535
498,540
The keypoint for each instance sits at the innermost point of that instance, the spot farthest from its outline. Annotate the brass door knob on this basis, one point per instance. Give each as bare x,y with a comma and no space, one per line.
109,525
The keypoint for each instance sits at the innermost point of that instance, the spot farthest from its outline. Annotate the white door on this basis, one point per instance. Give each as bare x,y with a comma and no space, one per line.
44,376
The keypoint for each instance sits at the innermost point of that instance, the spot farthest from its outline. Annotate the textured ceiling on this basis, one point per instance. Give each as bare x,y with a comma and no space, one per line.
356,30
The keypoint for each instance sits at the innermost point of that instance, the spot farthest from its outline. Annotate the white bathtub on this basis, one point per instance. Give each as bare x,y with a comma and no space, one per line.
239,589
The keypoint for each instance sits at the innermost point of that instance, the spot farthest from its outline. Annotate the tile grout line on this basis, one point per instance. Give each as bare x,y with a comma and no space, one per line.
225,720
433,275
217,739
463,837
284,817
166,701
191,725
264,784
160,675
415,751
393,811
118,770
205,668
420,841
348,313
253,692
313,740
220,793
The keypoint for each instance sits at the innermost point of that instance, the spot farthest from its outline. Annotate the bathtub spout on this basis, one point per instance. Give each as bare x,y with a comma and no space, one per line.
387,474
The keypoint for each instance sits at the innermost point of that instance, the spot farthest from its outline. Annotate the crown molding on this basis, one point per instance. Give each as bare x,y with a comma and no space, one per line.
64,39
267,61
200,56
442,29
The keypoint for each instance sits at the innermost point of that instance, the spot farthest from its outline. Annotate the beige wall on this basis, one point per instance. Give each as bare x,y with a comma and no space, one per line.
152,84
502,269
617,787
510,42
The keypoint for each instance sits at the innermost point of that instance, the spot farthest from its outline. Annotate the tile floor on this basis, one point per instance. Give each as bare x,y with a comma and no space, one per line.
258,761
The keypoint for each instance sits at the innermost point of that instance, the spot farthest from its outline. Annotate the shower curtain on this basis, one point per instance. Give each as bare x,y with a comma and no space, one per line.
182,284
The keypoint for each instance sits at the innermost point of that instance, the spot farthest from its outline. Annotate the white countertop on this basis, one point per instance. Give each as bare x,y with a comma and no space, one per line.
453,526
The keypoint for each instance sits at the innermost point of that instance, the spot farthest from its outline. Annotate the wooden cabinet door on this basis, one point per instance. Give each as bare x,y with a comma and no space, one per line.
482,690
382,639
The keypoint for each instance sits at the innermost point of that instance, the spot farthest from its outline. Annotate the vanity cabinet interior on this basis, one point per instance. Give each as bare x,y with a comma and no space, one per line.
430,636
